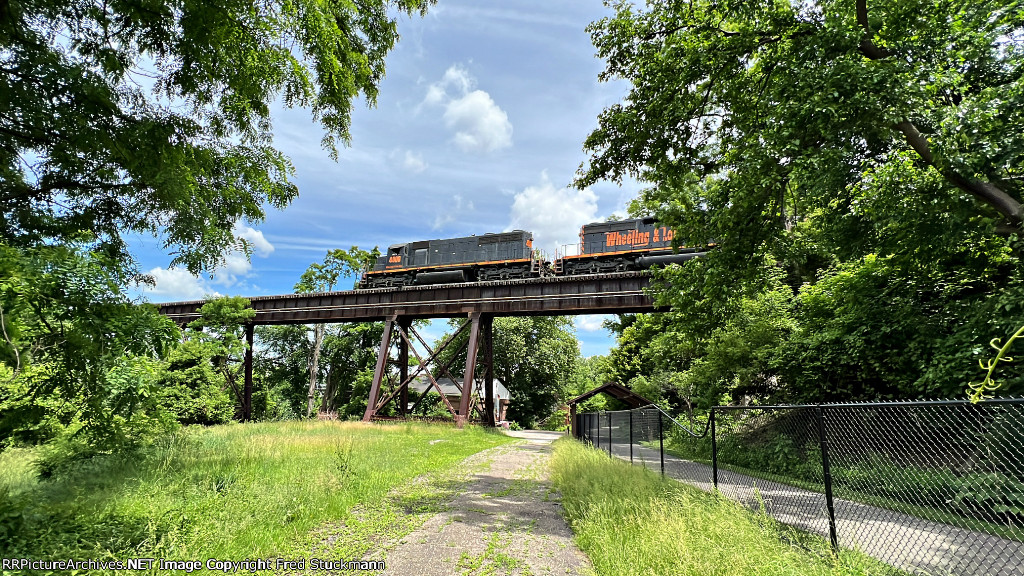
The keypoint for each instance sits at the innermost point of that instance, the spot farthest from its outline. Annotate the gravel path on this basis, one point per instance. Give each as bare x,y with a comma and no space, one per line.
507,519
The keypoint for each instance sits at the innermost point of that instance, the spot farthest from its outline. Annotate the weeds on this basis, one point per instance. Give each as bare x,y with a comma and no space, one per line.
233,491
629,520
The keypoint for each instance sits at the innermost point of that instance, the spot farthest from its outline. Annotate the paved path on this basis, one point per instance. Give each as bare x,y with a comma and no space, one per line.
907,542
506,520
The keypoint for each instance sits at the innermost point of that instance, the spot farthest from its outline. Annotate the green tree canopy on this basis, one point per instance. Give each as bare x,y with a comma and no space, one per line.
747,114
859,166
88,150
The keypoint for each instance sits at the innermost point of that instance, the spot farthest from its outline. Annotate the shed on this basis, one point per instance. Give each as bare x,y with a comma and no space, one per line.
613,389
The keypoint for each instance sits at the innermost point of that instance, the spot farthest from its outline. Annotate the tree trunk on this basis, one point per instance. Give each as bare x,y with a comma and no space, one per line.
327,404
314,362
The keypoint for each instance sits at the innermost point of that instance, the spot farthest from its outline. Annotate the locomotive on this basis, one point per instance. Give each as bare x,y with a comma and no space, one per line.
621,245
500,256
616,246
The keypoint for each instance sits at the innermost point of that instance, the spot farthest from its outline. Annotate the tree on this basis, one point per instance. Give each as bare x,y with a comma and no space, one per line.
78,349
87,150
221,329
127,117
859,168
323,277
191,389
349,352
746,114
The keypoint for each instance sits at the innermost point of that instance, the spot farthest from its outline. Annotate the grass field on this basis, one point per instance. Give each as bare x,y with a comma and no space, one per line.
232,492
631,521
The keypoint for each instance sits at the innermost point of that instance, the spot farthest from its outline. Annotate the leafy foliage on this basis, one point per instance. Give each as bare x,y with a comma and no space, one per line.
220,335
191,389
86,148
80,354
858,168
281,364
121,118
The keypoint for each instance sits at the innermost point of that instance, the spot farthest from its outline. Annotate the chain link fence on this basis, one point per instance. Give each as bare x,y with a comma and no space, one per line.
928,487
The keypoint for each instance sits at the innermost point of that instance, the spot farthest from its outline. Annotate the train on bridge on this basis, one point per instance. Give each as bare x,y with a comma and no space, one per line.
615,246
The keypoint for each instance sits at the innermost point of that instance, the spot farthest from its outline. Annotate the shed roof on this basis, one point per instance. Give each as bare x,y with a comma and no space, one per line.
615,390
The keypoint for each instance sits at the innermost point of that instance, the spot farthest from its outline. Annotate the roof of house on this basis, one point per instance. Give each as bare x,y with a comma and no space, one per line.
422,383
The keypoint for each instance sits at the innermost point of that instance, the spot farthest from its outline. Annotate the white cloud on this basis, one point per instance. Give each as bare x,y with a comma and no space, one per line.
479,124
590,322
553,215
255,238
235,265
447,215
179,284
414,162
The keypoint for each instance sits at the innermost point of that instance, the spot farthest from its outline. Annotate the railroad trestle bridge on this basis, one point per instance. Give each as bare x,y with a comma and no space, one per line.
478,302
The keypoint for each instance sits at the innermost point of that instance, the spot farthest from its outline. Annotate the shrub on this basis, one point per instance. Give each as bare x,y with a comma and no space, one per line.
191,389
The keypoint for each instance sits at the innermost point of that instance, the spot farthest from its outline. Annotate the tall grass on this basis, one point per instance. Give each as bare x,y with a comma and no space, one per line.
631,521
232,492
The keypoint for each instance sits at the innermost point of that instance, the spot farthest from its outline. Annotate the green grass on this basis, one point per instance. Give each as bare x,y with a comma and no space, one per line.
234,492
631,521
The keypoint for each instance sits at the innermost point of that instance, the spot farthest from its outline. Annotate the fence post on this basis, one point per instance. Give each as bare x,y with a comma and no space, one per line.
714,450
597,429
661,443
827,473
610,434
630,436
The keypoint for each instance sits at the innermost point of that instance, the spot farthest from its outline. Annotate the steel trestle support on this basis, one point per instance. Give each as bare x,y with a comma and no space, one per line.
399,330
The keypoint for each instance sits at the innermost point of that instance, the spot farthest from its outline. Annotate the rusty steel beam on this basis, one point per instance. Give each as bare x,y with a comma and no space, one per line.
467,375
432,355
426,371
445,371
619,292
403,367
378,371
489,371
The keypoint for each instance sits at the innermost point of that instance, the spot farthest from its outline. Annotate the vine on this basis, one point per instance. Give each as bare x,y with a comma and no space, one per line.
978,391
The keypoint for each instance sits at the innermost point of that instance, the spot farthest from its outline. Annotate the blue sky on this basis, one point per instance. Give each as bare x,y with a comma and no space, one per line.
478,128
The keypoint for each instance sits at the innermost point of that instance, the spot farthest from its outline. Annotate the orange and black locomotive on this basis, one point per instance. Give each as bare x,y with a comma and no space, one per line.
616,246
622,245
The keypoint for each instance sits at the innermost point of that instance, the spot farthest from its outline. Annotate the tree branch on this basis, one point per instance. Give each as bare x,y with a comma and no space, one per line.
867,43
987,192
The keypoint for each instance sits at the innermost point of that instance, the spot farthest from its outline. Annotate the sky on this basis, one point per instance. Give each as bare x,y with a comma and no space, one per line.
478,127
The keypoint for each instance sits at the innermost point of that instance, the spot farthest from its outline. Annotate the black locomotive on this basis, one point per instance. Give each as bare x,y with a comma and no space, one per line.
616,246
474,258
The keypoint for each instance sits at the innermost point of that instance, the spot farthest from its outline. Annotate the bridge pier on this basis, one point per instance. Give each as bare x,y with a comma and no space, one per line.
399,330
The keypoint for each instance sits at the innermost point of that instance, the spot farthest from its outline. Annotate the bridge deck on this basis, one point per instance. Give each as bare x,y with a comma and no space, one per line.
619,292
